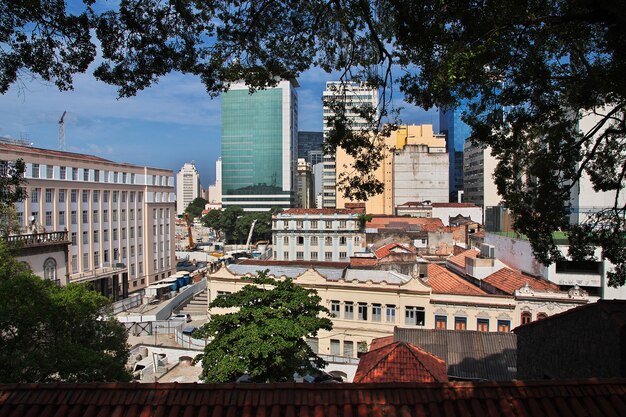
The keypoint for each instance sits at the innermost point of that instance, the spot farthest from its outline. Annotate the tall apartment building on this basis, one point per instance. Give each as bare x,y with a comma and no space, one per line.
353,96
259,146
456,132
215,190
478,183
188,187
414,169
305,190
120,217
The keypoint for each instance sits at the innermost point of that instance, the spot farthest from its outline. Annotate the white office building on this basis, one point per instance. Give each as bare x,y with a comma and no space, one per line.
188,187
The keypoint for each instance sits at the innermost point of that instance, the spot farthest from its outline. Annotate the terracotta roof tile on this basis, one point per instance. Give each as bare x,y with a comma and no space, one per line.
594,397
443,281
384,251
381,342
459,260
400,362
509,280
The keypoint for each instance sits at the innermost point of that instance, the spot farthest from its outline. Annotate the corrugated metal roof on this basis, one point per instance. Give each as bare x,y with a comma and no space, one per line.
333,274
468,354
374,275
592,398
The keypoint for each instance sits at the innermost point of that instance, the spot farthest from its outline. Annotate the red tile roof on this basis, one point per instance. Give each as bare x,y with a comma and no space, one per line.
318,211
427,223
400,362
509,280
459,260
380,342
593,398
443,281
384,251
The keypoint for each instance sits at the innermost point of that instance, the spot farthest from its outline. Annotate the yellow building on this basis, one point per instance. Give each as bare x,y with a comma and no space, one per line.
414,168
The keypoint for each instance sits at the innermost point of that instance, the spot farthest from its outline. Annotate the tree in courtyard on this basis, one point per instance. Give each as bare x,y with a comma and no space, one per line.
529,70
50,333
265,337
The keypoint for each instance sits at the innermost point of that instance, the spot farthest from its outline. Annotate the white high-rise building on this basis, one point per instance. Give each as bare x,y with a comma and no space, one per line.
215,190
188,187
353,96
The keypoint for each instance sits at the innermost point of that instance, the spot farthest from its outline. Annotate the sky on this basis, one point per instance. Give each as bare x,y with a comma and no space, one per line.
164,126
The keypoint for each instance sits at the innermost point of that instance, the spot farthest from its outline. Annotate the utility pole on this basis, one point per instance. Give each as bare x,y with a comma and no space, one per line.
61,145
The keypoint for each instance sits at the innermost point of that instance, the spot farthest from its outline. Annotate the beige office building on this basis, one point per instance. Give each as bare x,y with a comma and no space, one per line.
119,217
188,187
414,169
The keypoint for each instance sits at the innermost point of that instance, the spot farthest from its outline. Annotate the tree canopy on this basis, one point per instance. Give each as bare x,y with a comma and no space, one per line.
196,207
50,333
531,70
265,337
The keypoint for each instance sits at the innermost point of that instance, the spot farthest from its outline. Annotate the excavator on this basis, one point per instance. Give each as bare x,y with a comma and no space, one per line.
191,245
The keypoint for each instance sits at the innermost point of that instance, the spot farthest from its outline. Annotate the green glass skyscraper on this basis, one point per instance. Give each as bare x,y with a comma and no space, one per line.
259,146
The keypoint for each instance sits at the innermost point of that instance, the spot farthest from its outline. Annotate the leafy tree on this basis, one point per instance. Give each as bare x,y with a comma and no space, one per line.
228,221
196,207
262,228
265,338
530,70
12,181
50,333
212,219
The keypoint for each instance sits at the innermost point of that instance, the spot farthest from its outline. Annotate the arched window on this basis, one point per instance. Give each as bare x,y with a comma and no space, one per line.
50,269
527,317
541,316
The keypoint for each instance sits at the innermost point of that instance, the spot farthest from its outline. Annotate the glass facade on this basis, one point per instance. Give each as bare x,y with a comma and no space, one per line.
253,149
456,131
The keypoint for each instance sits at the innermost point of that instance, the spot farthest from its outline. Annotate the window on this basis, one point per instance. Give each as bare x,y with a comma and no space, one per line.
96,259
335,308
123,233
414,316
35,171
86,261
96,236
114,215
132,214
139,197
123,215
314,256
74,196
48,218
348,310
362,311
85,237
74,263
96,175
299,256
526,317
105,256
482,325
140,249
541,316
123,181
329,224
343,256
115,234
377,312
105,196
94,216
132,232
50,269
328,240
61,196
343,240
85,216
74,215
334,347
285,256
328,256
115,196
61,218
390,313
441,322
62,173
342,224
300,240
139,234
285,240
85,175
348,348
460,323
313,240
74,174
34,195
504,326
124,195
49,171
105,235
48,195
74,238
105,216
299,224
313,224
85,196
96,196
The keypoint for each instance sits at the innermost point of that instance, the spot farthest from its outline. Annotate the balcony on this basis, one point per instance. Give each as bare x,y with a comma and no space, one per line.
98,273
37,239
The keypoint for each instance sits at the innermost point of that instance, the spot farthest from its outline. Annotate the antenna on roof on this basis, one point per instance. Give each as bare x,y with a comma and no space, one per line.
62,132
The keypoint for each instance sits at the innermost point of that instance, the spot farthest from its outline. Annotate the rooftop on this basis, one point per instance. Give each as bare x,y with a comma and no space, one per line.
510,280
386,250
469,399
459,260
319,211
443,281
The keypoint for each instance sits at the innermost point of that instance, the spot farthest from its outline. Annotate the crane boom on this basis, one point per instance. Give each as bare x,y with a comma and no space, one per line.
250,234
62,132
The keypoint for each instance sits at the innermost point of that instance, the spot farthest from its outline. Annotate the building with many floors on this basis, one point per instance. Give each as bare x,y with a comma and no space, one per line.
119,217
353,97
456,133
188,187
259,146
305,197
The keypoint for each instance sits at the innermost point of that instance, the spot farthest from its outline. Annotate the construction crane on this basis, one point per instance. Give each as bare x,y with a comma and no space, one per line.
250,235
62,132
191,245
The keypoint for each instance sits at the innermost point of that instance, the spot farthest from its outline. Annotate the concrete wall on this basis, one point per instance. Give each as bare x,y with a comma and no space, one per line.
420,174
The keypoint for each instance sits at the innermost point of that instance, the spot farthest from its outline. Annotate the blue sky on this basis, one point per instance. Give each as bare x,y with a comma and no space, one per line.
164,126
